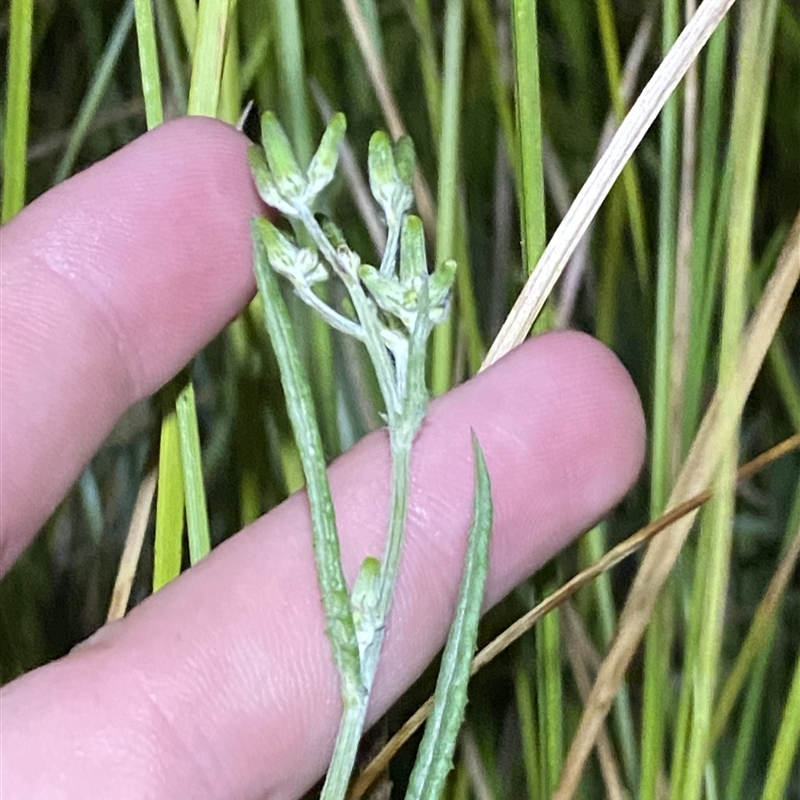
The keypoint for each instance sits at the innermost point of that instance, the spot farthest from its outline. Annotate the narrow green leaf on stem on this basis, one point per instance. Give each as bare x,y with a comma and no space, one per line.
289,178
335,597
435,757
18,99
323,165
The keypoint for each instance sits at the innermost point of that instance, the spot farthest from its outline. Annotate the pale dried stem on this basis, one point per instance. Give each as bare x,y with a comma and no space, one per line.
133,546
632,130
683,254
576,643
715,431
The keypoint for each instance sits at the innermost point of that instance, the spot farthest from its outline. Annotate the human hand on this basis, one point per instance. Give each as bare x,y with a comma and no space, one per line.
222,684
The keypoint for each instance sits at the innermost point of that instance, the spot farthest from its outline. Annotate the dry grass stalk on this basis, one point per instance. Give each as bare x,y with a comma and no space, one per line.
694,477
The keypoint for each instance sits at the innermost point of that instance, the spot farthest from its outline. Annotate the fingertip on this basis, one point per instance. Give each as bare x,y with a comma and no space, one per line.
112,281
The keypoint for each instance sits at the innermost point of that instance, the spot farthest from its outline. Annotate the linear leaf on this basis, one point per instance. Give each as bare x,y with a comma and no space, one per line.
435,757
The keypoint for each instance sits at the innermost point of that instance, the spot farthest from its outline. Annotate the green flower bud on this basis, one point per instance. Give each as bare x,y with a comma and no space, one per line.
323,165
382,173
282,253
413,262
405,159
441,282
310,266
389,188
265,185
286,172
333,232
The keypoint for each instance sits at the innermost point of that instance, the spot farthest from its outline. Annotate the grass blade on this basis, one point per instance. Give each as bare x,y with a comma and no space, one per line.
148,62
529,130
782,761
169,504
447,201
100,82
18,98
209,51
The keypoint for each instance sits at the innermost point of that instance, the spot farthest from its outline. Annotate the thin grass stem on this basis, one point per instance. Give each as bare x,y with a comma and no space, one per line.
18,98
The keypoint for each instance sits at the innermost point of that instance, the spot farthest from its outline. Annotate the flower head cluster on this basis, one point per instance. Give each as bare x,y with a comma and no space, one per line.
397,305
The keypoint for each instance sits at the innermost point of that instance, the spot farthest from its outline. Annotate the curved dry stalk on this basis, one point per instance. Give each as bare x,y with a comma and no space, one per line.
632,130
698,468
623,550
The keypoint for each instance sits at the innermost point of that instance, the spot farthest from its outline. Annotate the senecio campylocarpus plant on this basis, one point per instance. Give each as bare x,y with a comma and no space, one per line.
395,309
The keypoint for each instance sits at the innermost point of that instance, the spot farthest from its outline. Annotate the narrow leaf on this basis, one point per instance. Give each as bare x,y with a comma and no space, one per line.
299,404
435,758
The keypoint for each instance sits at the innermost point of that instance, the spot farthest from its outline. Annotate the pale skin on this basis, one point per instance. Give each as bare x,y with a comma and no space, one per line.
222,684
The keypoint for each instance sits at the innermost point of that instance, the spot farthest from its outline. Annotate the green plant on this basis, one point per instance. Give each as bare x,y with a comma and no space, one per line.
396,307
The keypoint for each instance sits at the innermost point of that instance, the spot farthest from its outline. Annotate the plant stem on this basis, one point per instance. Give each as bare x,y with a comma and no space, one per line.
365,312
344,751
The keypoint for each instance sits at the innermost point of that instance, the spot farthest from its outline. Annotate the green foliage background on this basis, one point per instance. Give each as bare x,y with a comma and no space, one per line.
86,101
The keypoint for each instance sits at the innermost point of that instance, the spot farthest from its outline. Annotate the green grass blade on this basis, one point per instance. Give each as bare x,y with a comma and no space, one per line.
783,756
148,62
529,130
447,200
187,17
550,697
758,25
746,737
595,544
169,505
230,107
633,193
97,89
762,630
18,98
708,194
209,51
429,63
196,508
435,757
176,76
523,692
487,34
293,78
336,599
657,645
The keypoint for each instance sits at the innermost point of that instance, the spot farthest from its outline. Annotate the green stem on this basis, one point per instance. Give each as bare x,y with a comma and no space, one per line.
366,314
300,406
344,751
18,100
